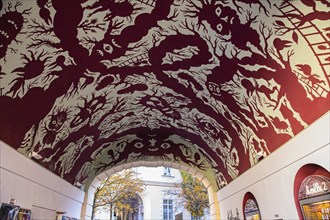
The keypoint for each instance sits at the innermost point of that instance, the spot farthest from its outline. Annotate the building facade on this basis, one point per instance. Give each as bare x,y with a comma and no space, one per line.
157,201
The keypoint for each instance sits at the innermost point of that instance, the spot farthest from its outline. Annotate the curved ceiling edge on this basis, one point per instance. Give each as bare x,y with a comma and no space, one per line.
88,82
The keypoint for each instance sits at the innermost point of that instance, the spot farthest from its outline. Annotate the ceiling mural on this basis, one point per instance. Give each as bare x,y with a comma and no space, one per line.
87,85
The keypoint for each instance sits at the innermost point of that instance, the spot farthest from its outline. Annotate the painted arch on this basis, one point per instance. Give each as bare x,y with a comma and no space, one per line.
88,85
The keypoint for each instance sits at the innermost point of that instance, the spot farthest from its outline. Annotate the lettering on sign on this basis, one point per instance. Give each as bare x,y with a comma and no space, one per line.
316,188
314,185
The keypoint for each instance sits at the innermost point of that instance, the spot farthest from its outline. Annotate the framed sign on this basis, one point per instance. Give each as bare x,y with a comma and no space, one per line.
314,185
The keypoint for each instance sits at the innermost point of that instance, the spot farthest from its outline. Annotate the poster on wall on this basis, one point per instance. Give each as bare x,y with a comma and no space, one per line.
8,211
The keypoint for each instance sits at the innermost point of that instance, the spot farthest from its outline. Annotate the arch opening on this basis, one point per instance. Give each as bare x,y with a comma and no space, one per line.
211,188
312,192
154,146
250,207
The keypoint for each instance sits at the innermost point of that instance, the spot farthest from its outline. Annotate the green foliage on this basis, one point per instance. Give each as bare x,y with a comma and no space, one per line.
117,190
194,195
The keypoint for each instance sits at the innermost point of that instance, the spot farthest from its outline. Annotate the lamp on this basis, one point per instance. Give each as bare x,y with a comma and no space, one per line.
35,155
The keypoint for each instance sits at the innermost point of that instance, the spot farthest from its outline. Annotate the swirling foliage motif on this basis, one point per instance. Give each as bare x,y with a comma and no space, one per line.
210,84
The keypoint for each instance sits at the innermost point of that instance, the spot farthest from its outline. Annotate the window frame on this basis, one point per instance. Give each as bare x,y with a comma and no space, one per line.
167,171
168,209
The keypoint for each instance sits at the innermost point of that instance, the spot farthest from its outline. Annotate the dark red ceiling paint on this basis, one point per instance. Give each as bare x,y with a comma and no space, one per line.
89,85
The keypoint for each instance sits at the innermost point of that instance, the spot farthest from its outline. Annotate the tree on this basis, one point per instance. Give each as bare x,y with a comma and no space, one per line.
192,195
128,206
116,190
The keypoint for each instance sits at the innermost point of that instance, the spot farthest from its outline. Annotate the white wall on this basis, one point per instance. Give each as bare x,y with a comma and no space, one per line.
156,184
271,180
156,174
36,188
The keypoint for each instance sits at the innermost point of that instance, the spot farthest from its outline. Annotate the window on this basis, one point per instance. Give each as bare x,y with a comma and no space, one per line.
196,218
167,209
135,170
251,209
167,171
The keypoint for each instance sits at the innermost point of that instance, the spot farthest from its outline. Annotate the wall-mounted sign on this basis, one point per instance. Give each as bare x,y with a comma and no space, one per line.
314,185
250,206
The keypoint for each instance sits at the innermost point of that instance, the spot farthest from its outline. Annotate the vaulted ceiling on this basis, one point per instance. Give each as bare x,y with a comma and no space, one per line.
87,85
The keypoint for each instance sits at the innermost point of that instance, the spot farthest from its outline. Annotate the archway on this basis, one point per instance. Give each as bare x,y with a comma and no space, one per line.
89,90
310,185
213,199
250,207
75,90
